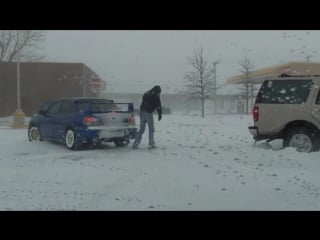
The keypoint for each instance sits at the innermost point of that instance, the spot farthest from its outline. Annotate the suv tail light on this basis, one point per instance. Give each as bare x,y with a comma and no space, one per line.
255,113
91,121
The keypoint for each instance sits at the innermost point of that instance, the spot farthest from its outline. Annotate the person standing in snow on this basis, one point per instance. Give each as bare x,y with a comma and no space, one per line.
150,102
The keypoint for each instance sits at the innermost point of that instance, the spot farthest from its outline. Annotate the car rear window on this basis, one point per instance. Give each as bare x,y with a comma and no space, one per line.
284,91
96,107
103,106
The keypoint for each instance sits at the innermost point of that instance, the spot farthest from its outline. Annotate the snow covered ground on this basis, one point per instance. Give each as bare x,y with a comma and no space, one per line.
201,164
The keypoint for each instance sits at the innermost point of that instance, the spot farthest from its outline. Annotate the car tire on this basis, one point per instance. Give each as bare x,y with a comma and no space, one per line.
34,133
302,139
121,142
70,140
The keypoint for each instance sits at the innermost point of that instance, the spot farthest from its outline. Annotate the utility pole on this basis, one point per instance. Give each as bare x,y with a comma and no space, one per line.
18,72
18,116
252,94
215,84
308,56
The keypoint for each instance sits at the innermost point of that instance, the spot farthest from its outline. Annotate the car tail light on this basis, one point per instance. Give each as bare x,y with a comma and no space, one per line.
132,120
255,113
91,121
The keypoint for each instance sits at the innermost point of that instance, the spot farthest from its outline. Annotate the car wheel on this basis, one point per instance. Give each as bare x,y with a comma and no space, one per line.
70,139
302,139
33,133
122,142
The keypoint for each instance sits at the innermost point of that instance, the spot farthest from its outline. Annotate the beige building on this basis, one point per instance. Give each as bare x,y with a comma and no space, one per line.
291,68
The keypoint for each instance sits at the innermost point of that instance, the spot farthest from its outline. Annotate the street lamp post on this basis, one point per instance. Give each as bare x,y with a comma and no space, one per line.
308,56
18,72
18,117
215,85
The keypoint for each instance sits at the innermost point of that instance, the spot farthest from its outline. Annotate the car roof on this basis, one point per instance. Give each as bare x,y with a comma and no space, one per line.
87,99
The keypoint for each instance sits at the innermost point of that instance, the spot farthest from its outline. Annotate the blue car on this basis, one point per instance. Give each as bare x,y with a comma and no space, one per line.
78,122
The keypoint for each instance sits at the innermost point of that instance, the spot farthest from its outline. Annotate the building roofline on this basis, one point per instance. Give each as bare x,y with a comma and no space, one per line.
13,62
257,76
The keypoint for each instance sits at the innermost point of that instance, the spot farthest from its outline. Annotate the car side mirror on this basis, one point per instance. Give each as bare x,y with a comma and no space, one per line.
130,107
42,112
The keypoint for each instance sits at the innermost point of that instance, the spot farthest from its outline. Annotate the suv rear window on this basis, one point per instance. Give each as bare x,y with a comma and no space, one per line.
284,91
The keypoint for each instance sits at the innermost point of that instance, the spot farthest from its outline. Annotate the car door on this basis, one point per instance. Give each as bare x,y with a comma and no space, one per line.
62,119
49,126
315,107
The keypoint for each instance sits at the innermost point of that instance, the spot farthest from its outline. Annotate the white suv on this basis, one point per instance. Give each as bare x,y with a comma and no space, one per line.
288,108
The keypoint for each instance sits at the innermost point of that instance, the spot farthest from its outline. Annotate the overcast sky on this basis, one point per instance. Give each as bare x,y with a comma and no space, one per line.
137,60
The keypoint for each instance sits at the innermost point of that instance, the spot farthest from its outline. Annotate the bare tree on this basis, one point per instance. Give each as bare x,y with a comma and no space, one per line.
30,40
199,81
248,87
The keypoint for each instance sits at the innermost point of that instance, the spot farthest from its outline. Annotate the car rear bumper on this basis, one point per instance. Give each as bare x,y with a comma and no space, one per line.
114,132
117,133
96,134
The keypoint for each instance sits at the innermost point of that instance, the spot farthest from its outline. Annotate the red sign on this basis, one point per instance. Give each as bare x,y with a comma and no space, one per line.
96,83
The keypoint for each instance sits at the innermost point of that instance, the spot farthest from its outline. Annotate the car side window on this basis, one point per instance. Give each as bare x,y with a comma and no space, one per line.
66,107
54,108
318,98
83,106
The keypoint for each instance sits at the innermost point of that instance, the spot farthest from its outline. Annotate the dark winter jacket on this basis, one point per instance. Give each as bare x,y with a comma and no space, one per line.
151,101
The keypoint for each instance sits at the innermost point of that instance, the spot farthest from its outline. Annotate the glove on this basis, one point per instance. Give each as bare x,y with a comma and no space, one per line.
159,117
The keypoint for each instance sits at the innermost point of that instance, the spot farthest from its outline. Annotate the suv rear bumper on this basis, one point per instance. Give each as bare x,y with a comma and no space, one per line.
253,131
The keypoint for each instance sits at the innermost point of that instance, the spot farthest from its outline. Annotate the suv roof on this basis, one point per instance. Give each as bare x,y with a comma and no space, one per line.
294,76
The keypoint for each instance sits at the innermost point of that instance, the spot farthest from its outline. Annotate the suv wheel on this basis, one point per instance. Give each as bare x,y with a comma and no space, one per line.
302,139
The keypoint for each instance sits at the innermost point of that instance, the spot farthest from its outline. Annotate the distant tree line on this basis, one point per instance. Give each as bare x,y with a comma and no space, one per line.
28,41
